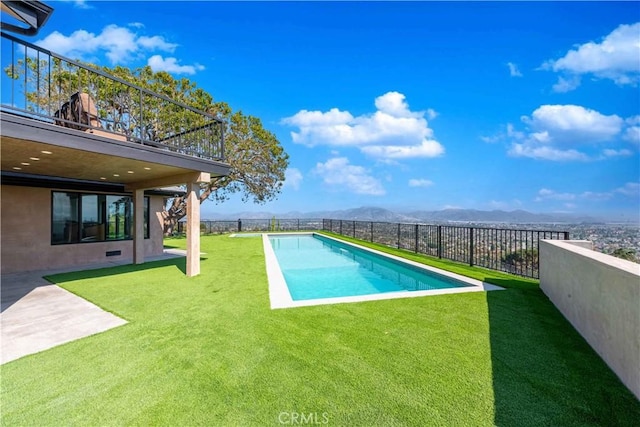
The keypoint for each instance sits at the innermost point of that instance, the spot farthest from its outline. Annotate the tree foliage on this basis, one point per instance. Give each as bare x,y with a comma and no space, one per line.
521,259
625,253
257,159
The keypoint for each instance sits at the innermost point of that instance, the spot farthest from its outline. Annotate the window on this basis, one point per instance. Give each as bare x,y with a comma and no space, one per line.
64,222
81,217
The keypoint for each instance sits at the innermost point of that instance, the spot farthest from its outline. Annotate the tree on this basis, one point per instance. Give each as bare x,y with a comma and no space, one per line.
257,162
257,159
625,253
521,259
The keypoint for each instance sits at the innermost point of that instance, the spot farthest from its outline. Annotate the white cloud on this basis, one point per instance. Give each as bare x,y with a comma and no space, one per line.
570,133
156,43
574,124
337,172
513,70
634,120
632,134
608,152
593,196
119,44
566,85
292,178
545,153
428,148
614,58
420,183
631,189
512,133
170,65
80,4
491,139
546,194
563,132
392,131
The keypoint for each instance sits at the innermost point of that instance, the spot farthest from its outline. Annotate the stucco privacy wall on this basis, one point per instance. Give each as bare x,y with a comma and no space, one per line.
600,296
26,234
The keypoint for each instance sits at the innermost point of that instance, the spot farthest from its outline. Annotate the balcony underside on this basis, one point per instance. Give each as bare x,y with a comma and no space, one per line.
80,155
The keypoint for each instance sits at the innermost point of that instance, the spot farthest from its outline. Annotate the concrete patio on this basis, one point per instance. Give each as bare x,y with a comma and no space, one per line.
37,315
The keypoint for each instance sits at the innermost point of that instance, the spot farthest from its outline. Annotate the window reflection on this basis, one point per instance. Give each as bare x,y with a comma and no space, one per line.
80,217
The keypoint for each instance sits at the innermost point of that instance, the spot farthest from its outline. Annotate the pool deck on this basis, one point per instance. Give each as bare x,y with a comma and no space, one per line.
281,298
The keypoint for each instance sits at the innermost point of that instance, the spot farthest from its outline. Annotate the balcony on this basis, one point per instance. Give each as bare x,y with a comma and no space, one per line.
68,125
41,86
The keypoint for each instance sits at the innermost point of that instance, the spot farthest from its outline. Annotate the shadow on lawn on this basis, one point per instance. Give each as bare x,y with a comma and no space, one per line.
16,289
544,372
179,262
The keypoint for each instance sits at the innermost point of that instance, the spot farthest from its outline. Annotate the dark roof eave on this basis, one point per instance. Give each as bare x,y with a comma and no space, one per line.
43,181
33,13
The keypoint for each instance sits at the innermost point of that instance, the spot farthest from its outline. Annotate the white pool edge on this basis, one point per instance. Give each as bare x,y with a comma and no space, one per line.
280,297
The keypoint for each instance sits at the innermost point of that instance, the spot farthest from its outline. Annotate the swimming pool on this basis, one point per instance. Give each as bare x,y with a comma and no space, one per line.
310,269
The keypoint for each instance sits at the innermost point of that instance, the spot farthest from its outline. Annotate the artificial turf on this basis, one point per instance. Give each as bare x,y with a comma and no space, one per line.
209,351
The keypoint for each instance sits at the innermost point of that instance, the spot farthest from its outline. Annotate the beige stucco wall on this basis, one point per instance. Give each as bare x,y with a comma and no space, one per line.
25,234
600,296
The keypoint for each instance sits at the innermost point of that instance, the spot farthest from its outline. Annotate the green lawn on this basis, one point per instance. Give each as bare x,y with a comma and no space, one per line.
209,351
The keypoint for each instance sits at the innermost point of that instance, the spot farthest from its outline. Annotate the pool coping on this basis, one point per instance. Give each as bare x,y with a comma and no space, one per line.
280,297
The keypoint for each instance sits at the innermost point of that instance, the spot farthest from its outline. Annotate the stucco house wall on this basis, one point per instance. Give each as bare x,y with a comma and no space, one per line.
25,230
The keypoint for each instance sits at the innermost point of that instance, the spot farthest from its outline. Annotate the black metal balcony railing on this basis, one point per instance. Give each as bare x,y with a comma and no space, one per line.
36,83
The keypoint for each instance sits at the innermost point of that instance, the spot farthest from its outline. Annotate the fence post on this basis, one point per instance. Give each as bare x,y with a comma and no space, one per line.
471,246
398,245
239,225
371,239
298,224
354,229
341,227
566,235
439,241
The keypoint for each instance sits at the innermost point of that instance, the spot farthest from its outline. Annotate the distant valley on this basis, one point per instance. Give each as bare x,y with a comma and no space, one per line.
440,216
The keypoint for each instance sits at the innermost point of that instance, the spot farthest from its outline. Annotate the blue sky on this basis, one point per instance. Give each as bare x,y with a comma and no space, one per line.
407,106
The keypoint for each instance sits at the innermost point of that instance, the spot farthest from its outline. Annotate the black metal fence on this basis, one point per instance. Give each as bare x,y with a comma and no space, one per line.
257,225
42,85
513,251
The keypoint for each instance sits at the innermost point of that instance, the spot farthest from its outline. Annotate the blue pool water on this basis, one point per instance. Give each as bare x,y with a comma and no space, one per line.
317,267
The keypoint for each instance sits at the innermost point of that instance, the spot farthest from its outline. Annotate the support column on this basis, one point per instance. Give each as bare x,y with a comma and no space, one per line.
193,229
138,221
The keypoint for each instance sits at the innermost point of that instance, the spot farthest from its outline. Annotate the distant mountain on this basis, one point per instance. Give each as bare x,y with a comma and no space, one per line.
517,216
369,213
363,214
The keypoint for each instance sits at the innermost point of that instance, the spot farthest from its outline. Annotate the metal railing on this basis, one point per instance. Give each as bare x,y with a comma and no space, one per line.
510,250
248,225
513,251
36,83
